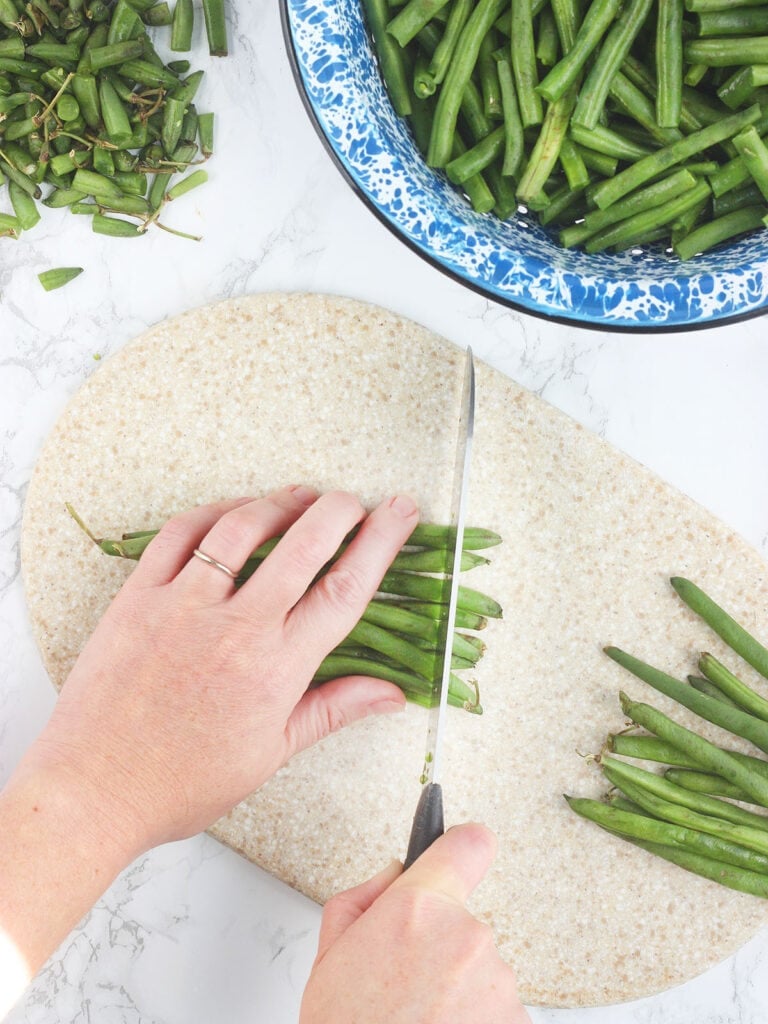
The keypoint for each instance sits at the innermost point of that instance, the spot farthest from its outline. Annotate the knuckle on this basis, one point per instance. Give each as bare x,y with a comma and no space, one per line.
229,530
345,588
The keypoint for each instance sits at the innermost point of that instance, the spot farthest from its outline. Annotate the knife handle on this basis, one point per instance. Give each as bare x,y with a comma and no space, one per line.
428,824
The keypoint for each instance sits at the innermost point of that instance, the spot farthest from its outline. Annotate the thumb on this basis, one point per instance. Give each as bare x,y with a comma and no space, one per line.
335,704
454,864
343,910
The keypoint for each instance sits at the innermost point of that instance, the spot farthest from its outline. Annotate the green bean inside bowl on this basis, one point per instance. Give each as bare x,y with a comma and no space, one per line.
617,125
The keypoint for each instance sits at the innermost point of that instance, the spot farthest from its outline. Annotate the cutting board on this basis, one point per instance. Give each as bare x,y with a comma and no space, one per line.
249,394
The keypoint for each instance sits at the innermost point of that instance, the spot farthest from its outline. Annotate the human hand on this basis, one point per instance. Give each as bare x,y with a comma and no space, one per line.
403,948
191,694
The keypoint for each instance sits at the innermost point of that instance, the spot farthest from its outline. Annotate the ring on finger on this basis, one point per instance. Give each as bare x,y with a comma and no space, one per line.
216,564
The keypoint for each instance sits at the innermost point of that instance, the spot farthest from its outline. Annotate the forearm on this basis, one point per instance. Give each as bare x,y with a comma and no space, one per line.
56,860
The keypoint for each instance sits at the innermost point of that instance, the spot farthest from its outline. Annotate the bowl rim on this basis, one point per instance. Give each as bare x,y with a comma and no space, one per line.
606,326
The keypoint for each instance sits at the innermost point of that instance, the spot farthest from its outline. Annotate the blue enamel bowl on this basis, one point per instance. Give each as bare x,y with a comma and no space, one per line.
515,262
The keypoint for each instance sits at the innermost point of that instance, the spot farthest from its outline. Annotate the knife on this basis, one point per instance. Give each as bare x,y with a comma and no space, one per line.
428,822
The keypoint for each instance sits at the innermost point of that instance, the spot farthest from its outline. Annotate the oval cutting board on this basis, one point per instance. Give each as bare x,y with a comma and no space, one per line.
249,394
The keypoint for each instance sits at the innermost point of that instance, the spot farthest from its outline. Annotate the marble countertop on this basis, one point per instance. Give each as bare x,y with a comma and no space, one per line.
192,933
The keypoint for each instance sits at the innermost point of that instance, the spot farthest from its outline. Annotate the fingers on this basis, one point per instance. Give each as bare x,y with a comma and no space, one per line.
338,703
344,909
233,537
329,611
454,864
172,548
307,546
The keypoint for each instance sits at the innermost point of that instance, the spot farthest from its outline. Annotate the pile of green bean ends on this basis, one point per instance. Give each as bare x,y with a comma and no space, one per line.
91,117
616,123
403,628
693,814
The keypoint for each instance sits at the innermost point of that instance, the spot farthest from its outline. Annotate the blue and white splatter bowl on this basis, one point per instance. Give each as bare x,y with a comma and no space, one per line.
513,262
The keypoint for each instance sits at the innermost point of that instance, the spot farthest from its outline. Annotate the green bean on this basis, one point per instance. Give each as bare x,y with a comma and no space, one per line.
55,53
182,26
146,73
431,589
575,169
489,78
60,198
523,61
103,162
58,277
737,89
9,226
733,22
608,61
706,686
456,80
723,53
546,149
565,203
669,63
736,199
124,24
625,775
412,18
729,226
513,127
567,19
427,82
634,230
649,748
733,687
186,185
114,227
639,826
635,104
734,720
389,54
734,635
751,882
608,142
158,14
216,27
648,167
464,619
476,159
719,5
416,690
24,207
709,755
704,782
754,153
116,123
423,663
567,71
24,181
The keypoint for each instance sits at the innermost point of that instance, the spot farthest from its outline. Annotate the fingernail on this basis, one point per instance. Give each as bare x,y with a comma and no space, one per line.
385,707
404,505
304,495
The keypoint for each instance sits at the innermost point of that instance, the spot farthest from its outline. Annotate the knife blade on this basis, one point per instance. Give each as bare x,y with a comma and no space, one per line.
428,821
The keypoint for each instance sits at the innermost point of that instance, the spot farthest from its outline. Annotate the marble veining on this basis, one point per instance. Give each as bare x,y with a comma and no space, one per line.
190,934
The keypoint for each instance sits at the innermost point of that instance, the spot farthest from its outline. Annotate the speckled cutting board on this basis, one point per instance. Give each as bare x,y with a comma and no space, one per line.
249,394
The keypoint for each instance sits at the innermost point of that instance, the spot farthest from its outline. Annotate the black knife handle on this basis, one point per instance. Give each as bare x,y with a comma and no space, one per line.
428,824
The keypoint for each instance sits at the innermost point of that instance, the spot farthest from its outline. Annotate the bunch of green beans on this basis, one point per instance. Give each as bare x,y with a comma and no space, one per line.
92,119
402,631
616,123
693,814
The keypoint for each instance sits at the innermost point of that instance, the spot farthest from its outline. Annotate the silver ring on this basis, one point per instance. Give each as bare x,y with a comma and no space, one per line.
212,561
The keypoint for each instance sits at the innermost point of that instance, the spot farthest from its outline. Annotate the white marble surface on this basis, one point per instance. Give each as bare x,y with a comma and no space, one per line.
192,934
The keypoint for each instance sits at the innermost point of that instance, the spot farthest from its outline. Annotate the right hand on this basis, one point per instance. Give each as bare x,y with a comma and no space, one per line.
404,949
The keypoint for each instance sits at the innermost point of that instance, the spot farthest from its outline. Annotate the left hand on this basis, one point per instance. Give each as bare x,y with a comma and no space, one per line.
190,693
